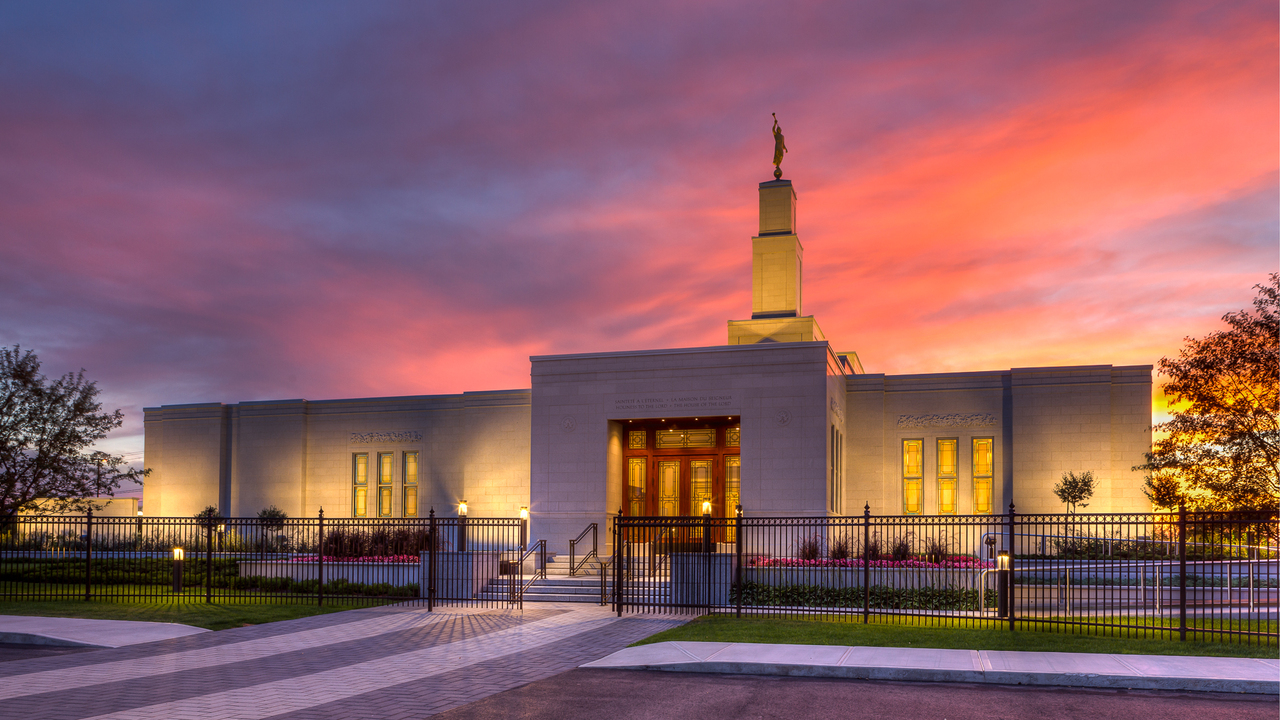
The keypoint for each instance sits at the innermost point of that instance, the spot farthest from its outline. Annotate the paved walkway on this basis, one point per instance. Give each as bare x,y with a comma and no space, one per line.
389,662
1145,672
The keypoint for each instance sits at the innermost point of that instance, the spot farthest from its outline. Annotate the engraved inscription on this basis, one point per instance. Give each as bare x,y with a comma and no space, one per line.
397,436
715,402
948,420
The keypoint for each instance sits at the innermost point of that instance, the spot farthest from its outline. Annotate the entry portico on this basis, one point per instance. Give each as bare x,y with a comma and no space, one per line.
782,396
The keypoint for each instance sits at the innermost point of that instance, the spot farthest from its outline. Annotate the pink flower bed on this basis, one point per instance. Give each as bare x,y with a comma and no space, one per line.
382,559
956,561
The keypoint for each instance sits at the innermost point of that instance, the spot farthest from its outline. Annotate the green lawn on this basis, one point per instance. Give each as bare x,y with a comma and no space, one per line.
219,615
886,632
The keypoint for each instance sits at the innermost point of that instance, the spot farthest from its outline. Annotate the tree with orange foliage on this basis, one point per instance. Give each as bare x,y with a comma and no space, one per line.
1222,451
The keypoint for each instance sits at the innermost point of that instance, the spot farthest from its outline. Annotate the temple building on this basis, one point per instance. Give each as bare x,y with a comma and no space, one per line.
777,419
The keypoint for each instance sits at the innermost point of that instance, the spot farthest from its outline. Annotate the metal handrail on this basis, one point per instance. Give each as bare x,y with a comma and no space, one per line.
604,575
541,548
574,567
1120,541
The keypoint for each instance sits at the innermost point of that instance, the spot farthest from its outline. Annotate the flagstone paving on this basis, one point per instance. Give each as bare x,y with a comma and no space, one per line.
389,662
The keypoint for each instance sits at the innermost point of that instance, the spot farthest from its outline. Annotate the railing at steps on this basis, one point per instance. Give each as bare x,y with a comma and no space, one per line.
575,566
604,580
539,547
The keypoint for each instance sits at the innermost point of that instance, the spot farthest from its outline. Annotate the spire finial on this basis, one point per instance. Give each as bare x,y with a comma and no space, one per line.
779,148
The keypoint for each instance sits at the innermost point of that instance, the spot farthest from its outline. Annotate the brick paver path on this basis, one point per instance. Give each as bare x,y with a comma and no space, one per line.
389,662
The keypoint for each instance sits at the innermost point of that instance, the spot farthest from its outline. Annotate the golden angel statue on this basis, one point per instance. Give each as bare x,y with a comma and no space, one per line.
779,148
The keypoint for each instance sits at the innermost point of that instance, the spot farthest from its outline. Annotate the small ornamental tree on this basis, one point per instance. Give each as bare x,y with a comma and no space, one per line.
209,517
47,428
272,517
1075,489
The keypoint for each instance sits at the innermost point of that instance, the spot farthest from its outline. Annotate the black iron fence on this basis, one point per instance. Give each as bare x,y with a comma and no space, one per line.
432,561
1183,574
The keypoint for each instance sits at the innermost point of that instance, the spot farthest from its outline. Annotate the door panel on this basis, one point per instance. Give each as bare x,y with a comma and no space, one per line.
700,484
668,488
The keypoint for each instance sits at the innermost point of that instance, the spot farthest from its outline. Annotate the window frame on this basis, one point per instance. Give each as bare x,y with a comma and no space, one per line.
953,478
406,484
359,486
389,486
989,478
906,478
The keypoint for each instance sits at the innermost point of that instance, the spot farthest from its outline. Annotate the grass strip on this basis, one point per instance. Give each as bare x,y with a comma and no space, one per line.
220,615
942,633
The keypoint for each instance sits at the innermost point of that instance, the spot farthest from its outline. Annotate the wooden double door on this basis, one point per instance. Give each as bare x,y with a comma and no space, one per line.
666,482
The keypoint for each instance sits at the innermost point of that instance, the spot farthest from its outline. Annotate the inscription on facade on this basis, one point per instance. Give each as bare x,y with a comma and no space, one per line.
696,402
948,420
396,436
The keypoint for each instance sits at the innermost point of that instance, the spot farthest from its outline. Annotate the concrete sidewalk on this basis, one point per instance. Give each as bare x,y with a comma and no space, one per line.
1144,672
78,632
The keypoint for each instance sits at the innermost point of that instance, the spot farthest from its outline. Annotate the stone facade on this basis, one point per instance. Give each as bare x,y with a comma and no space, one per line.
817,434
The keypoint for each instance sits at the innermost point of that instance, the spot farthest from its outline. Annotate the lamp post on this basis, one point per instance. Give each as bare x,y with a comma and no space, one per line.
462,526
1004,568
524,528
177,570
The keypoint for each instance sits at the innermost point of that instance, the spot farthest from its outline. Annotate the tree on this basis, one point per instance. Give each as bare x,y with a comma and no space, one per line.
1075,489
46,431
209,517
1222,451
272,517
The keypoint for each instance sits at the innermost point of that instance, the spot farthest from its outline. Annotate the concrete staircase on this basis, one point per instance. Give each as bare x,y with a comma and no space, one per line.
558,586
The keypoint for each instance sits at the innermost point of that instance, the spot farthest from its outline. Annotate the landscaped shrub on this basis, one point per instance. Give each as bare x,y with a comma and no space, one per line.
882,597
839,549
902,548
871,550
936,547
809,548
342,543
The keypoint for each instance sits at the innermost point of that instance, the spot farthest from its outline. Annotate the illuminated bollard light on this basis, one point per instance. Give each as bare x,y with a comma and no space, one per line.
1004,568
462,526
177,570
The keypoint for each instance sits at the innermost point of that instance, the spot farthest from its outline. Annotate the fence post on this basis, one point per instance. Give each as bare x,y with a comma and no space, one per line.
737,566
617,562
1012,546
1182,572
431,560
88,554
320,559
706,551
866,563
208,562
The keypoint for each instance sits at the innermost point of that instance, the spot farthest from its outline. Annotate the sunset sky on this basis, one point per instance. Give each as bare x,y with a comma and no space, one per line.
241,201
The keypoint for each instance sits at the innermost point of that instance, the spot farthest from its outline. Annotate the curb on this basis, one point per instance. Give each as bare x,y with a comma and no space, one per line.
992,677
